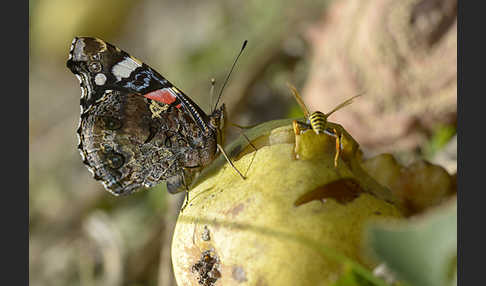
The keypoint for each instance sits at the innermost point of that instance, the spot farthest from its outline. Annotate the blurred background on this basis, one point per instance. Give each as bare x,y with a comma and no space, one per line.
402,54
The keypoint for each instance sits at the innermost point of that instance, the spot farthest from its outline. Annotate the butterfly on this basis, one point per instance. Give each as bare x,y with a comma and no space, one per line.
137,129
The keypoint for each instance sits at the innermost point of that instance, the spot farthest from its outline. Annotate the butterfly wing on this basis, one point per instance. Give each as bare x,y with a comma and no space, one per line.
124,147
113,69
123,142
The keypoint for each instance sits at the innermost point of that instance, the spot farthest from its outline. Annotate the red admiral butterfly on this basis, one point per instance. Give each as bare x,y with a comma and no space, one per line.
136,128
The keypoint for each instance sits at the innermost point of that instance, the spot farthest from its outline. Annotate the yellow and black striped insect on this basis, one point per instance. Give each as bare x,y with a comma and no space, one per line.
318,121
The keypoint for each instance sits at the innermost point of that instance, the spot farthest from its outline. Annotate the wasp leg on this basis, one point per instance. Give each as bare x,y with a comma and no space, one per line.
339,146
296,126
299,127
339,143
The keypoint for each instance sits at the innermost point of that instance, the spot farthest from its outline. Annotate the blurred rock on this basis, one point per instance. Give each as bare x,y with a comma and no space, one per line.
402,54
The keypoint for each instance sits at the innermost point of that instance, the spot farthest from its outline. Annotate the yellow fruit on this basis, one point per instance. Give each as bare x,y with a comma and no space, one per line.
269,229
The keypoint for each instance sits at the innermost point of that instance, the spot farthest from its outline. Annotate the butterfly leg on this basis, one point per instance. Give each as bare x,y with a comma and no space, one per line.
246,138
186,199
249,142
243,134
230,162
254,148
174,185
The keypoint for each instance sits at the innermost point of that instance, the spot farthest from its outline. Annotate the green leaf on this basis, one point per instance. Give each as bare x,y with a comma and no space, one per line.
422,251
352,278
439,139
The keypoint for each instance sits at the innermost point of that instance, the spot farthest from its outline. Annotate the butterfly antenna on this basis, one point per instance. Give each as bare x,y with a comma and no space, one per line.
228,76
211,92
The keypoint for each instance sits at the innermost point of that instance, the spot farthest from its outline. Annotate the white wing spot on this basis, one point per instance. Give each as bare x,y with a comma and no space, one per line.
100,79
124,68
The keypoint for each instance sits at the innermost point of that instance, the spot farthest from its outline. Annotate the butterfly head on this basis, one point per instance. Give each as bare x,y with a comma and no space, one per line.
217,122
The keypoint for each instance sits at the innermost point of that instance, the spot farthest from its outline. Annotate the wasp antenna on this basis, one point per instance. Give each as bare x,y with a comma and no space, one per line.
231,70
343,104
299,100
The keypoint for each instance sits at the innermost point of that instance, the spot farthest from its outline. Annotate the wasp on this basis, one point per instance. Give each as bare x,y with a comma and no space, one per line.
318,121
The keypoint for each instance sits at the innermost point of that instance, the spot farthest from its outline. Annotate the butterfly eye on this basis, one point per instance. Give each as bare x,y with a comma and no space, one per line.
94,67
115,160
112,123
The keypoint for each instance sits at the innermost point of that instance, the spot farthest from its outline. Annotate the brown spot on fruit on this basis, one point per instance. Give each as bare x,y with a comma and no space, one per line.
261,282
239,274
207,268
236,210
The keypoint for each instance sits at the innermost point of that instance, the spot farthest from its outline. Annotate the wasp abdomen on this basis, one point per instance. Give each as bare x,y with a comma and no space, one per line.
318,121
